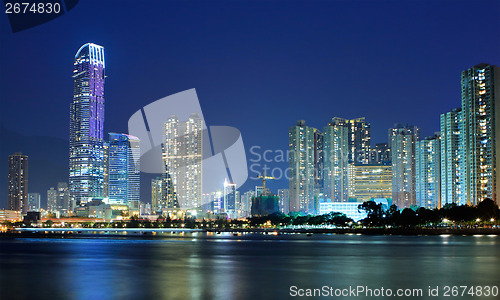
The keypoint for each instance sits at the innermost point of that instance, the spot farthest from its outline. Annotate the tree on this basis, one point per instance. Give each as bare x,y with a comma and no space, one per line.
426,216
374,213
487,209
408,217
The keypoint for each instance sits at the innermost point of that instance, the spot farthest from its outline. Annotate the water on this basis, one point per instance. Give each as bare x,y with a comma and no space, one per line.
251,266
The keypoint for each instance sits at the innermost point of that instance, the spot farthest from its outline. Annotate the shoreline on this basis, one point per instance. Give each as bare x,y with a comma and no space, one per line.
65,233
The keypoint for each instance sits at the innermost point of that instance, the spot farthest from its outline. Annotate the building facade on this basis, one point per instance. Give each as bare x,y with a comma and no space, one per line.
450,158
63,197
402,142
284,198
480,134
335,160
380,154
86,153
359,141
370,181
52,200
34,202
183,157
302,182
17,198
124,170
428,172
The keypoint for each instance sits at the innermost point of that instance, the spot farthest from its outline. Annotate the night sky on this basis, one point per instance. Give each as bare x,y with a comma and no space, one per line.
256,65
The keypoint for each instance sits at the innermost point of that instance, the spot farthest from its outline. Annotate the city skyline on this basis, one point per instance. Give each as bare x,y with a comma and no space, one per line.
333,93
322,164
251,149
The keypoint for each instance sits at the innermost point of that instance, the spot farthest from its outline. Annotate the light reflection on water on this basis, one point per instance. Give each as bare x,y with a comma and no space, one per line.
248,266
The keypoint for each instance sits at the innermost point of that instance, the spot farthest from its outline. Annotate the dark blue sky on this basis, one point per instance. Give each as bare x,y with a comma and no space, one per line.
256,65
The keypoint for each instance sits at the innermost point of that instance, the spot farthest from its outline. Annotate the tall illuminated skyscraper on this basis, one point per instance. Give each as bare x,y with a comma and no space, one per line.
359,137
480,138
123,171
335,160
182,155
402,142
86,153
428,172
303,179
18,182
230,200
450,158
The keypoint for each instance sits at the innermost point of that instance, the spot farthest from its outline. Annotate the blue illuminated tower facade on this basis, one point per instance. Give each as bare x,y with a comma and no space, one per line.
86,154
123,172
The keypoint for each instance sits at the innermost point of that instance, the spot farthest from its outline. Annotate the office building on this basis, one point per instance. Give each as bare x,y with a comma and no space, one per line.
123,172
230,201
428,172
480,138
52,200
63,197
105,187
402,142
34,201
86,159
17,198
370,181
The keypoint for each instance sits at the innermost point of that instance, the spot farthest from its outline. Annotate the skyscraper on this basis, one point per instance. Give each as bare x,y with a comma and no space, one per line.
123,171
63,197
229,205
105,188
402,142
52,200
34,202
302,167
335,160
246,203
86,153
156,194
182,154
480,138
428,172
359,137
450,158
380,154
18,182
